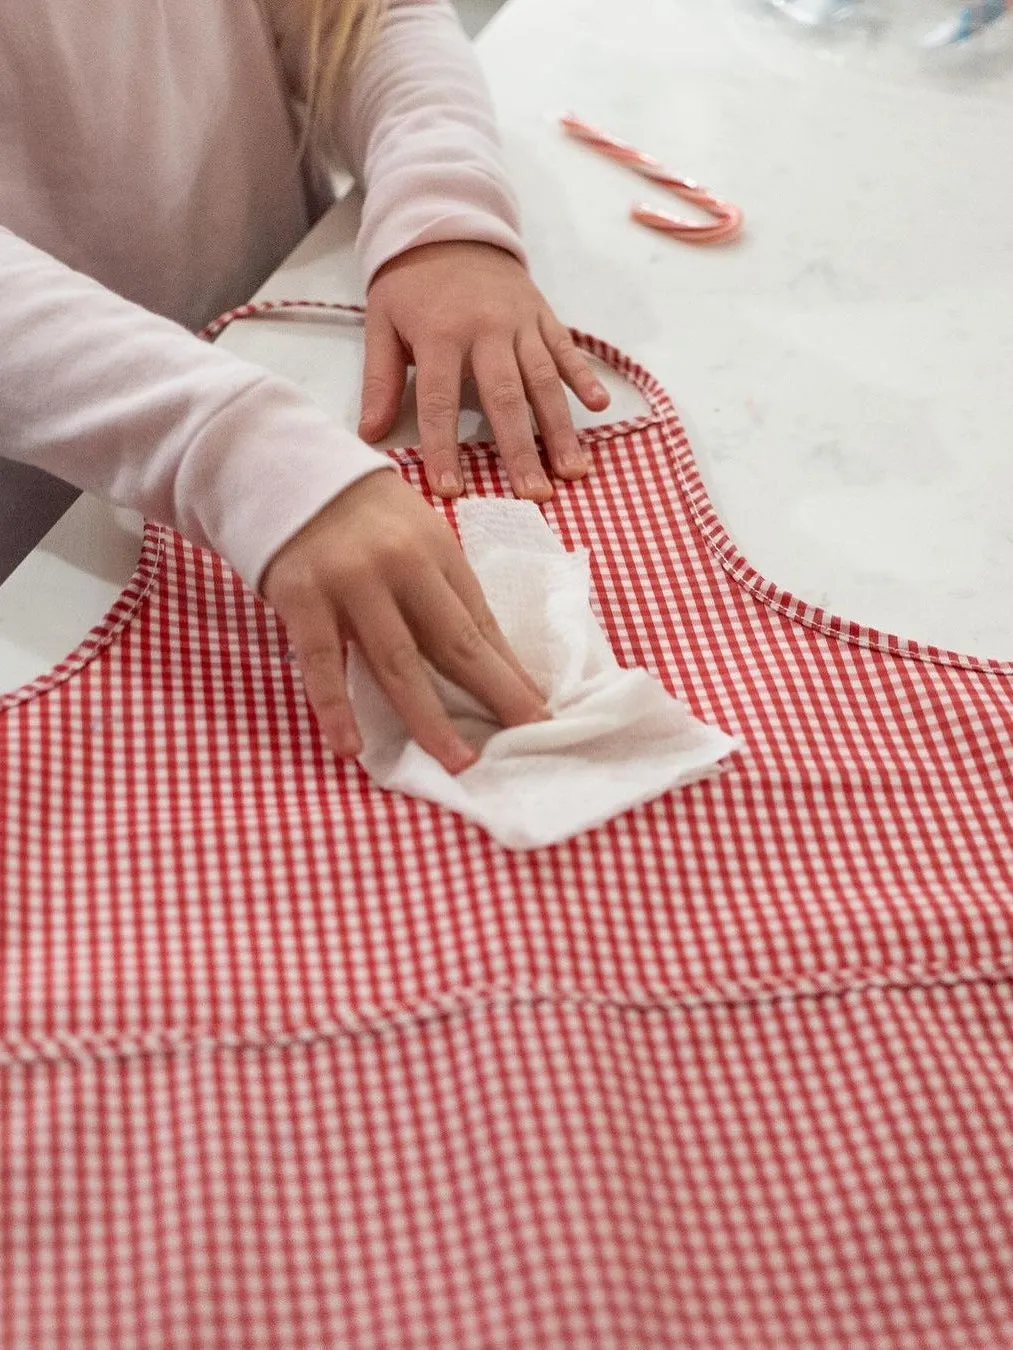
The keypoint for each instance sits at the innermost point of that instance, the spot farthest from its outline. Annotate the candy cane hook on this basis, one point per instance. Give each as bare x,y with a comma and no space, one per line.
728,218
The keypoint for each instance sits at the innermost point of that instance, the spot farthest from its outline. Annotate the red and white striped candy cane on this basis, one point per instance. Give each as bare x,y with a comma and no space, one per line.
728,218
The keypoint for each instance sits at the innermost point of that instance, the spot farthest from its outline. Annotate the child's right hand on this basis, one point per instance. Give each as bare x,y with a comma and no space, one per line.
379,567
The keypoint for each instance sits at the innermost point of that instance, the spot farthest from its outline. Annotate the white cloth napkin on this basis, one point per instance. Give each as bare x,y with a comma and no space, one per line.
616,738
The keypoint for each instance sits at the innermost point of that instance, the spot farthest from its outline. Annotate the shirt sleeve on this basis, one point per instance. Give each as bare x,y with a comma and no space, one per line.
135,409
414,123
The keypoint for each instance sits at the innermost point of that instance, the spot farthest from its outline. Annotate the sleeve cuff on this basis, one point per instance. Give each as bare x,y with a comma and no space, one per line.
426,207
294,459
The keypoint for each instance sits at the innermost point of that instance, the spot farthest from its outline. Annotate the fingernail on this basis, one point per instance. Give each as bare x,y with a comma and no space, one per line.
463,758
449,485
536,485
576,464
599,390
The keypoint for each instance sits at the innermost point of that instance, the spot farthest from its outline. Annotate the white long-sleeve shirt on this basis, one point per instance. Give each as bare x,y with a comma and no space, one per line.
148,181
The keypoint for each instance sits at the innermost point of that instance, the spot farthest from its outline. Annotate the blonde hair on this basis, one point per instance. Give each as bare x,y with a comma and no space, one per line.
338,34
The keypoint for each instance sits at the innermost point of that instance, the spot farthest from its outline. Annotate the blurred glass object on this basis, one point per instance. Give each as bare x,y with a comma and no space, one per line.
818,13
948,41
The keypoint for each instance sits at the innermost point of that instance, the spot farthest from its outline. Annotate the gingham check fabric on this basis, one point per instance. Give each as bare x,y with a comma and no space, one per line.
292,1063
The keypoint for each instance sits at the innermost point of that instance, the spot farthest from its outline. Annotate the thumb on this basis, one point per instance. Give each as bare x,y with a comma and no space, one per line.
383,378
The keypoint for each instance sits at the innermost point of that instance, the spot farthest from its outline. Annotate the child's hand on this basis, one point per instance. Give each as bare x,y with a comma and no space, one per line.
460,309
379,567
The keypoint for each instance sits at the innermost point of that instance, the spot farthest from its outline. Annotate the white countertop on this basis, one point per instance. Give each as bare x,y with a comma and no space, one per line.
844,371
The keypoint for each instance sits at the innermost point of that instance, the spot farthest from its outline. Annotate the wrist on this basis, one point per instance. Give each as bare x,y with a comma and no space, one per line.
465,249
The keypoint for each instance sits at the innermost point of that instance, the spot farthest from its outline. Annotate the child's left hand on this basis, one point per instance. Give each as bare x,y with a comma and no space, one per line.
459,309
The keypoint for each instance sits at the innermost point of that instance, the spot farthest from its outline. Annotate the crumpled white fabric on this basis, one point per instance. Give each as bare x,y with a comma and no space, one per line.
617,739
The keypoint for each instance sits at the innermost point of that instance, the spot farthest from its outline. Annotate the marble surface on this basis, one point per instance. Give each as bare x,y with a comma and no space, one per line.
843,371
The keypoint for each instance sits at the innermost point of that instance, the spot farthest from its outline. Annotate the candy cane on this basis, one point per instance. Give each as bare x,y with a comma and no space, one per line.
728,217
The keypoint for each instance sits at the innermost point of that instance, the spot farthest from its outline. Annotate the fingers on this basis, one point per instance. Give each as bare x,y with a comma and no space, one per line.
513,369
316,640
504,399
513,372
572,365
462,648
552,412
438,394
464,582
384,377
396,661
433,621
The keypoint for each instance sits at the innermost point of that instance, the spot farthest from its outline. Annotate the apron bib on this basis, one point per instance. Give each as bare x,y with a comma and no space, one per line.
290,1062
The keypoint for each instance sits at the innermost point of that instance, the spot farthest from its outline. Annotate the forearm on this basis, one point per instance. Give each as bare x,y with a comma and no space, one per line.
135,409
414,123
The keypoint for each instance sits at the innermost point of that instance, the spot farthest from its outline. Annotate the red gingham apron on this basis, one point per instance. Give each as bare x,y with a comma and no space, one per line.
289,1062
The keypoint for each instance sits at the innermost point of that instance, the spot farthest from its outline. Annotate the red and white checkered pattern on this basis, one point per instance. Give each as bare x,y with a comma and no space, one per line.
292,1063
